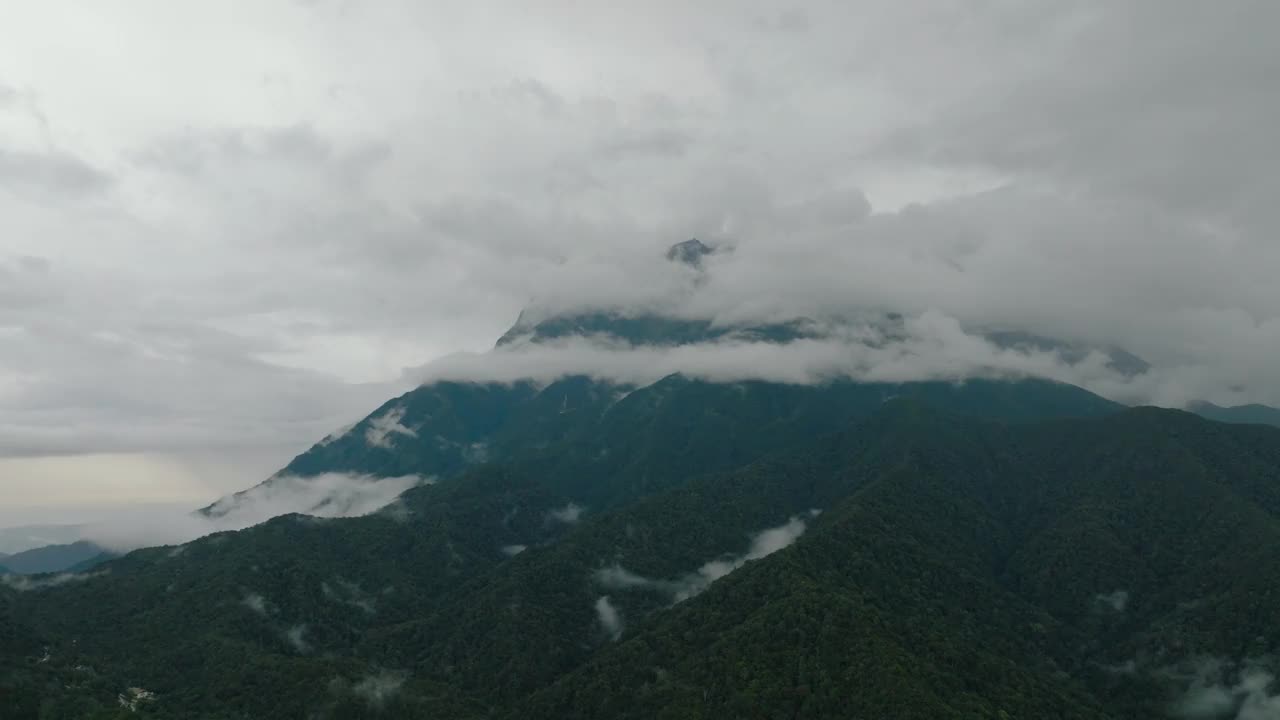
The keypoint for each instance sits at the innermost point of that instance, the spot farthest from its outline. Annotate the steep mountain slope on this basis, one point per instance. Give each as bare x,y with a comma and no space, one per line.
584,548
440,430
443,536
963,581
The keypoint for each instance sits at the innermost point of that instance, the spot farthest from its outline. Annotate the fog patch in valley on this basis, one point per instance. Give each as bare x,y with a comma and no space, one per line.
26,583
295,636
256,603
1218,690
569,514
1115,601
610,618
348,593
330,495
763,544
377,689
383,427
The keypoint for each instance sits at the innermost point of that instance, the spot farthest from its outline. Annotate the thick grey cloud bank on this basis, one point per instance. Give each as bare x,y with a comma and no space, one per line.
930,346
206,249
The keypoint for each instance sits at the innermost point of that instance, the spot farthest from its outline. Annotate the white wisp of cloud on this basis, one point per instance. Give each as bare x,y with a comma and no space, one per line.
329,495
763,544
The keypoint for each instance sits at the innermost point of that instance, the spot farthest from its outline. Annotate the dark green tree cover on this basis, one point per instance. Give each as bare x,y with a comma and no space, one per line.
955,571
580,431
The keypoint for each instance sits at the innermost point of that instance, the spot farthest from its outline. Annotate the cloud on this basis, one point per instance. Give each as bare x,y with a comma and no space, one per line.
288,231
609,617
324,495
348,593
569,514
295,637
382,427
327,495
26,583
619,578
336,435
49,172
379,688
256,603
513,550
928,346
1217,694
1116,601
763,544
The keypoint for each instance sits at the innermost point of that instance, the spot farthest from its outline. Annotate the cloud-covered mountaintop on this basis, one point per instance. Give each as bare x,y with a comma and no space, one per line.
244,240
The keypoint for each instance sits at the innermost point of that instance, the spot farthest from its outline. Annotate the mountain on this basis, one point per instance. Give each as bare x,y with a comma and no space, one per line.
581,548
1243,414
442,430
56,558
650,329
26,537
969,570
690,252
958,567
654,438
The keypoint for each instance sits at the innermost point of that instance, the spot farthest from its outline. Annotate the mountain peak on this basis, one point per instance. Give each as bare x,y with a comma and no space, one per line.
690,252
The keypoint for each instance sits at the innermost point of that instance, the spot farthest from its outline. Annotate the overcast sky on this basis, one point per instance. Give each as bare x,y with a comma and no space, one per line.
227,229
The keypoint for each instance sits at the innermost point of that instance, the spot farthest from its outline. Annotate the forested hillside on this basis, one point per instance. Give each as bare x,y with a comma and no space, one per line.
941,565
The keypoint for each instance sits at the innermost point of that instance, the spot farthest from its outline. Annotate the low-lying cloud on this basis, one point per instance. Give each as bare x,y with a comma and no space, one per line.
296,637
569,514
328,495
384,426
1116,601
348,593
1216,694
379,688
256,603
928,346
763,544
25,583
610,618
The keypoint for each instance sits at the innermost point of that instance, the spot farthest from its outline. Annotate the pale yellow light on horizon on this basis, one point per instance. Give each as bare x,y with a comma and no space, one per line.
67,488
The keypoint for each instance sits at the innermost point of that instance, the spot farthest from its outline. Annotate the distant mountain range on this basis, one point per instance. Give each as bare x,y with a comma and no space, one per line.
582,548
74,556
1243,414
25,537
